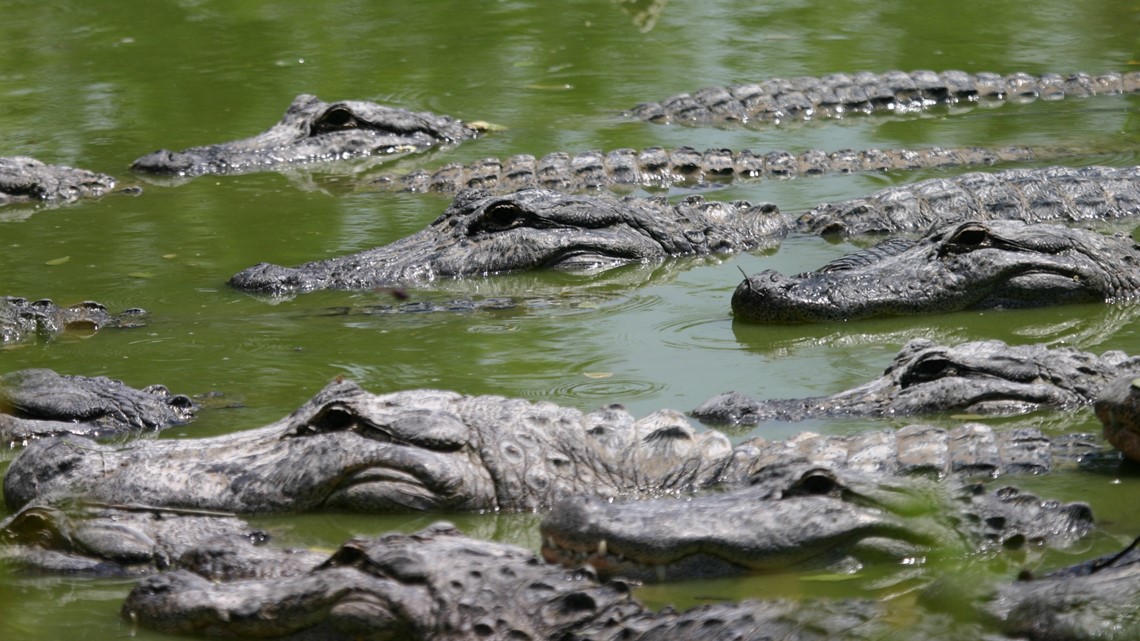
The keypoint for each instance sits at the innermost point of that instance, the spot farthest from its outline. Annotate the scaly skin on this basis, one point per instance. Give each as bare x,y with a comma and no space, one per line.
969,265
839,95
38,403
24,179
1116,407
21,319
798,515
481,234
984,377
424,450
658,167
313,131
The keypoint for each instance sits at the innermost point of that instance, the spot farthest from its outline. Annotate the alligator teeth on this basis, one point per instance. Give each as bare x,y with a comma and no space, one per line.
602,547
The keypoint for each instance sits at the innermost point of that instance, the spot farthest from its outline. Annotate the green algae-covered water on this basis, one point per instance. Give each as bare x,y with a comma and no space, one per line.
97,84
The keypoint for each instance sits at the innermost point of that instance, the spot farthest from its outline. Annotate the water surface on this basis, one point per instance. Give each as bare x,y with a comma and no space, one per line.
97,84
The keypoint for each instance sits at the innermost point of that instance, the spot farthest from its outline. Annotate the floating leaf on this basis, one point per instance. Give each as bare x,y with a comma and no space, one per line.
58,261
169,256
597,374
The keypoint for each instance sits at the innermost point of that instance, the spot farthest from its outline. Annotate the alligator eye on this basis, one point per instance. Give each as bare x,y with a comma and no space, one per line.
971,236
499,216
331,418
928,369
817,483
335,119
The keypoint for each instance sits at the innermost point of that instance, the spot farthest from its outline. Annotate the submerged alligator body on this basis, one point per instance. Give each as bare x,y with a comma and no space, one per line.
1118,408
659,167
983,377
1093,600
434,450
841,94
438,585
37,403
105,540
481,234
21,319
970,265
24,179
315,131
797,515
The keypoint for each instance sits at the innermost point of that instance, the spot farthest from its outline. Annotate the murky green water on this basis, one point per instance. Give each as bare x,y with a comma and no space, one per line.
97,84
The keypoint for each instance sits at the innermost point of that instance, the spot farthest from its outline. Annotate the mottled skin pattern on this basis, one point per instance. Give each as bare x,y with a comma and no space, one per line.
1093,600
1061,194
91,539
482,234
983,377
1118,408
441,586
658,167
24,179
838,95
315,131
407,451
432,450
970,265
22,319
38,403
799,515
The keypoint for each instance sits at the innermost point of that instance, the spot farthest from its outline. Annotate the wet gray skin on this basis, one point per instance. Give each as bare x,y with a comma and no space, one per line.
799,516
481,234
22,319
1118,408
1091,600
407,451
91,539
313,131
435,450
24,179
971,265
441,586
37,403
984,377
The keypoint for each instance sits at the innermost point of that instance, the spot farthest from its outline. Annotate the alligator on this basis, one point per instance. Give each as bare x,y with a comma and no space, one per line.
434,450
839,95
316,131
1116,407
1067,194
21,319
38,403
658,167
796,515
482,234
103,540
982,377
968,265
438,585
24,179
1094,599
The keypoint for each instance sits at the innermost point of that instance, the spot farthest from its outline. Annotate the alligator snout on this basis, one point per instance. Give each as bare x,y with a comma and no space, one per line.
165,162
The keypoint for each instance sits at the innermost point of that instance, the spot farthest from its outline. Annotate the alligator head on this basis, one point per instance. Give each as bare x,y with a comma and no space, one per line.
481,234
315,131
39,402
24,179
434,584
972,265
1118,408
106,540
21,318
797,515
413,450
984,377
